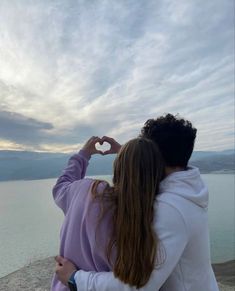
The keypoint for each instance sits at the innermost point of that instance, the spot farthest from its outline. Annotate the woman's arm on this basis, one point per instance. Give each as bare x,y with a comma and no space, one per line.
66,185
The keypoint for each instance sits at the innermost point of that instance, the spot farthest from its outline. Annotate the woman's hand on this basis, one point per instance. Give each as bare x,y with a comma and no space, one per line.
64,269
114,145
89,146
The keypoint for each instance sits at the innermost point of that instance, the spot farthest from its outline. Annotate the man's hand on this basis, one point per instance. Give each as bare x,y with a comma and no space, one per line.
114,145
64,269
89,146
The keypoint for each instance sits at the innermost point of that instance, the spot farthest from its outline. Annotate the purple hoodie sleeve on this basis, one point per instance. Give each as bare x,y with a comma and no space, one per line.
64,189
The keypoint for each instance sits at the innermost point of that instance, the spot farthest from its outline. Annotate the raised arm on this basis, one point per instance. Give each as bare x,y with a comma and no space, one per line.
75,171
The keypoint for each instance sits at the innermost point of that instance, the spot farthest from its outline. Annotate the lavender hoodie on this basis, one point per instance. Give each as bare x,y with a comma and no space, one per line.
79,241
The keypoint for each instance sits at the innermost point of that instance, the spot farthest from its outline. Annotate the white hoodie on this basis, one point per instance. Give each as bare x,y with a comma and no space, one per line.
181,223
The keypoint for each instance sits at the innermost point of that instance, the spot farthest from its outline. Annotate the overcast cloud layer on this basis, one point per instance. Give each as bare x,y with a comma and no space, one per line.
72,69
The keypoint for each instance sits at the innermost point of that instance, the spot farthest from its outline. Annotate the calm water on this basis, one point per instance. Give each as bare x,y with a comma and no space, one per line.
30,221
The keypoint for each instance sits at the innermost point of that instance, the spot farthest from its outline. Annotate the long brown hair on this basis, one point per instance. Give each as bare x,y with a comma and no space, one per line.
138,170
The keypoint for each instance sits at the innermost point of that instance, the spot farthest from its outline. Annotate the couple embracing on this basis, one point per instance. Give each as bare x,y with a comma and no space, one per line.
147,231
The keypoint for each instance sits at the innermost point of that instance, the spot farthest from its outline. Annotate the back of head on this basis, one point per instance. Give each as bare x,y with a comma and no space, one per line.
138,170
174,136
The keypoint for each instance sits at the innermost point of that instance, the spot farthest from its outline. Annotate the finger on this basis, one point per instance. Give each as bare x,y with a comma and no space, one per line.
98,152
107,139
91,138
97,139
107,152
60,260
58,265
57,268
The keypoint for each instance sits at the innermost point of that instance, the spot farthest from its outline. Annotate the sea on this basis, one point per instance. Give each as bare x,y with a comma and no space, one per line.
30,221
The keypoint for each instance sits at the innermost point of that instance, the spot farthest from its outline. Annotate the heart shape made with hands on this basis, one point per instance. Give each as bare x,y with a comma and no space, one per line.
103,146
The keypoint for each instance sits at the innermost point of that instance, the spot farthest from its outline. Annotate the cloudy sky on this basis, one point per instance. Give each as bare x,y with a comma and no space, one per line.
70,69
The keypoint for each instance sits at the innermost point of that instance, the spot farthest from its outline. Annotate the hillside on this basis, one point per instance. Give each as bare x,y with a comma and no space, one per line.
23,165
214,162
27,278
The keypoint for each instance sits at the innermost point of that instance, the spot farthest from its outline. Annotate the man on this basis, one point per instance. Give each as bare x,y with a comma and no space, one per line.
181,221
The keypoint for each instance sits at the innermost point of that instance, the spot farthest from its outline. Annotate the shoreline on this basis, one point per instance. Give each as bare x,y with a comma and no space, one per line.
216,172
37,276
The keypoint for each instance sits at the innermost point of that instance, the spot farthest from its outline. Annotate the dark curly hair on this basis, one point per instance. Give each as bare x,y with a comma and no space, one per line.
174,136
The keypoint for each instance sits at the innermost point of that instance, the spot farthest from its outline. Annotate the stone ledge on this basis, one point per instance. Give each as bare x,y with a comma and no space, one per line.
37,276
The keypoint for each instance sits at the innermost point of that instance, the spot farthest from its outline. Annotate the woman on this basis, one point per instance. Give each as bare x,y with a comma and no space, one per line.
110,227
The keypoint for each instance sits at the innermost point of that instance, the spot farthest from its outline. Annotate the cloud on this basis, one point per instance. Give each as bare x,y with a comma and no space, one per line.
16,127
105,67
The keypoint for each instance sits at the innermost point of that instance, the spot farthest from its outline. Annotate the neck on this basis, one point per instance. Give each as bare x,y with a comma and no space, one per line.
170,170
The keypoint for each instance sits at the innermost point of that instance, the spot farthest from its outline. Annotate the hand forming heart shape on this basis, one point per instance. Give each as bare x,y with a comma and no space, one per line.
111,146
108,145
103,146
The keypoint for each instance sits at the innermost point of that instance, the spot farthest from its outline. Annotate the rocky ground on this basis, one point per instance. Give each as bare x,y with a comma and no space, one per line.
37,277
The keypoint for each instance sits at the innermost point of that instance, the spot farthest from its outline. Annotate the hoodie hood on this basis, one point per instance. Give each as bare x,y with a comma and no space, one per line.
187,184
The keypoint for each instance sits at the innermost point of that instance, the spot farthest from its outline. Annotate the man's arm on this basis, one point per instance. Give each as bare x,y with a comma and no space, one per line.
172,233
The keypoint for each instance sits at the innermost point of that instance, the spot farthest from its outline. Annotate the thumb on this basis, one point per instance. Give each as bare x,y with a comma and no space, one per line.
107,152
98,152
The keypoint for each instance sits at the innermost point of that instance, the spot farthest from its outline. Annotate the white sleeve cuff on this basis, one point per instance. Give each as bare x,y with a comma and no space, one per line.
82,279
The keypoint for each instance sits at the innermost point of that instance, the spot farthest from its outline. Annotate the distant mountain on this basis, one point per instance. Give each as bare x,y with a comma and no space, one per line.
214,162
25,165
